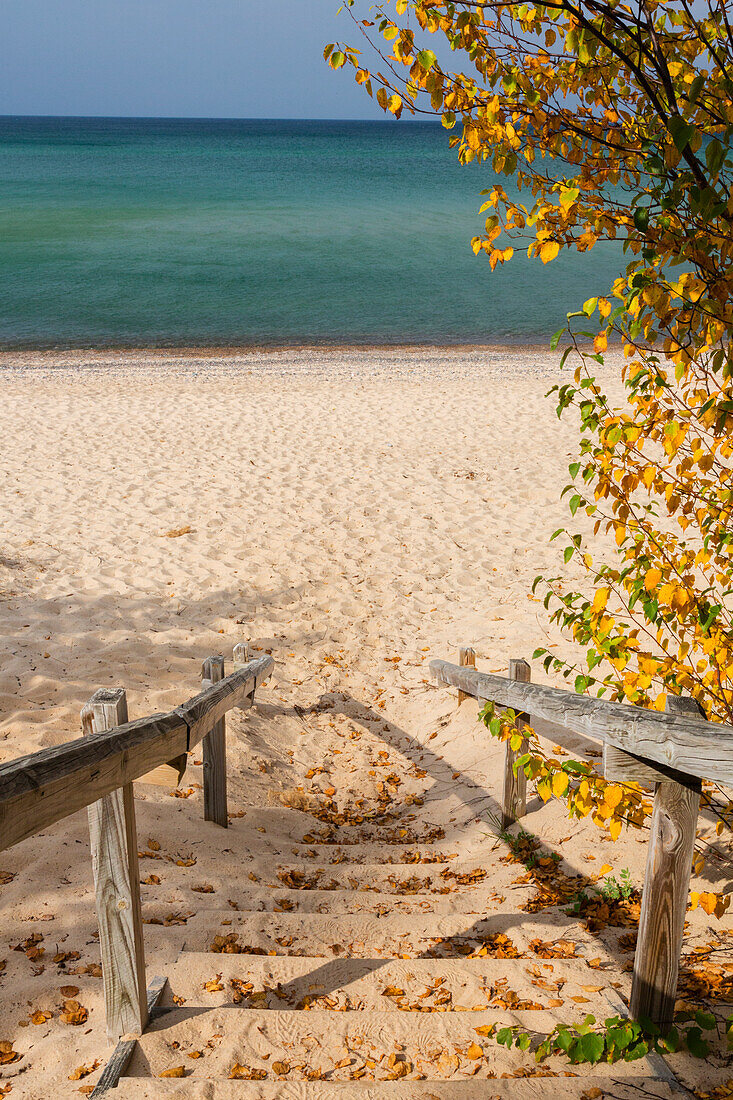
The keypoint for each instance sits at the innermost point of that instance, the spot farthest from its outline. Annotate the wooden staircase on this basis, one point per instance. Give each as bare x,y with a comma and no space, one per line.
368,968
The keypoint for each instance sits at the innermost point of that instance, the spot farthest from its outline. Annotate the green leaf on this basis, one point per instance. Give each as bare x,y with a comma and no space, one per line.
696,87
556,338
697,1046
641,218
564,1039
426,59
591,1047
682,133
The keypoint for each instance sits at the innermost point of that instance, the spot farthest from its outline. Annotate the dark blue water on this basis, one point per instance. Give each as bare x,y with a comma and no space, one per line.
168,231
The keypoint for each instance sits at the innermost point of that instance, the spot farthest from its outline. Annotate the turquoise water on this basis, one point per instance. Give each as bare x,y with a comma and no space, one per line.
165,232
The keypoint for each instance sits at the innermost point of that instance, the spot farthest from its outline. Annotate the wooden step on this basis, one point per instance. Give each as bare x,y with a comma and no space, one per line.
609,1087
423,985
393,935
410,896
210,1043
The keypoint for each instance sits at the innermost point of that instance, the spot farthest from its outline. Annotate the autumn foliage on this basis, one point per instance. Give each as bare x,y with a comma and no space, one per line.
614,122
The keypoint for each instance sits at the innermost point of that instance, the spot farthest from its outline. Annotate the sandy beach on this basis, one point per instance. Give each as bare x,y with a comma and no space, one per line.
353,512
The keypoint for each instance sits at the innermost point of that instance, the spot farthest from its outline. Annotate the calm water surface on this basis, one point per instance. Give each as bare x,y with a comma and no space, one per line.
138,231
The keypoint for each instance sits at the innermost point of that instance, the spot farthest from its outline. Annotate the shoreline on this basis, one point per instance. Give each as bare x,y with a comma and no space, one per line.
403,361
232,350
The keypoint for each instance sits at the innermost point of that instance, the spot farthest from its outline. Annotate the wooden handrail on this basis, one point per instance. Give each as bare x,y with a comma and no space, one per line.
42,788
673,750
689,745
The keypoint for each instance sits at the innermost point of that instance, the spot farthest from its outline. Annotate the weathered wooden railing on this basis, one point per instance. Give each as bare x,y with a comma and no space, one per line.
97,771
673,751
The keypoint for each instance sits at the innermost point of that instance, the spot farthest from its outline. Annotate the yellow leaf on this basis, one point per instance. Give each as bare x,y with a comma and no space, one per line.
613,795
601,599
548,251
652,579
560,784
615,829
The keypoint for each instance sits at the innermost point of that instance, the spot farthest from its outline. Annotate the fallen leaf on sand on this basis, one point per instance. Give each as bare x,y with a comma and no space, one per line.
175,1071
176,532
246,1073
74,1013
7,1054
83,1071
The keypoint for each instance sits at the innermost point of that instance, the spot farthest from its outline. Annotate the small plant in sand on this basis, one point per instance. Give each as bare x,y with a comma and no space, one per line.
617,1039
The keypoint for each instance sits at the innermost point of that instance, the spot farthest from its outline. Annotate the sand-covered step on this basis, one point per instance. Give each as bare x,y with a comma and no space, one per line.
186,901
393,935
382,1046
421,985
477,890
336,823
608,1086
490,872
327,853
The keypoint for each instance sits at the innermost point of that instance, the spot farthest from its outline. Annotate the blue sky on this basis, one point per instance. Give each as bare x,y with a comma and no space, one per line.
188,58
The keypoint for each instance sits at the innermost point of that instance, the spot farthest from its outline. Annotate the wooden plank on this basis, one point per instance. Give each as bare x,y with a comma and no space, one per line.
666,887
123,1052
169,774
215,753
241,656
664,902
205,709
514,795
624,767
113,843
40,789
466,657
686,743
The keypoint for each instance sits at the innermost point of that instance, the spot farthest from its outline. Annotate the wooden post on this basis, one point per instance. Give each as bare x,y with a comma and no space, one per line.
113,842
514,800
666,887
466,657
242,656
215,753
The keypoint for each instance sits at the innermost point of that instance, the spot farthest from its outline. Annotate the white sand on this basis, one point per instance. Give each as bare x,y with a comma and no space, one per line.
354,513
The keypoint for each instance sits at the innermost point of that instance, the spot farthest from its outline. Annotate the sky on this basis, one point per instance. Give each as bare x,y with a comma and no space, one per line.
176,58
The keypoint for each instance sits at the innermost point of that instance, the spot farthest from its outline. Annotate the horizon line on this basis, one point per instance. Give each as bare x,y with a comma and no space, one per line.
219,118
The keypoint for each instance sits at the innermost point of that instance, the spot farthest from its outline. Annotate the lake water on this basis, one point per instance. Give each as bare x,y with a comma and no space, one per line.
170,232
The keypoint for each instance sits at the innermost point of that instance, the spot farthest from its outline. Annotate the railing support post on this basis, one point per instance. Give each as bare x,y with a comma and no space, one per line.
113,842
466,656
514,799
242,656
666,887
215,753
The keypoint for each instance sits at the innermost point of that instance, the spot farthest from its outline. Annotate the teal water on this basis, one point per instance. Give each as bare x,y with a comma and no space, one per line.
165,232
